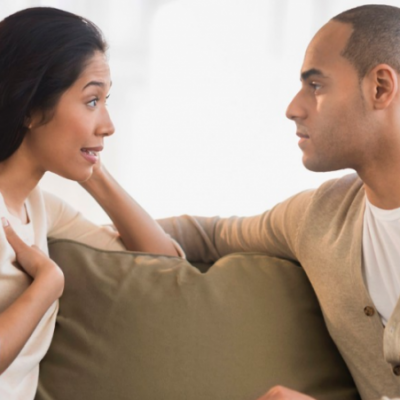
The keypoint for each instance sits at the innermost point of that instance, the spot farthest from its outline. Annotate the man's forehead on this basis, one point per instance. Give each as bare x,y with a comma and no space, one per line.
325,49
333,33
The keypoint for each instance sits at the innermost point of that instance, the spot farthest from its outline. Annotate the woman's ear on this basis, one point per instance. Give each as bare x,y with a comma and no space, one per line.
33,119
383,84
28,122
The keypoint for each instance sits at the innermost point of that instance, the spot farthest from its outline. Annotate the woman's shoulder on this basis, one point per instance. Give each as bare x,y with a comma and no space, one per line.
55,209
50,200
41,200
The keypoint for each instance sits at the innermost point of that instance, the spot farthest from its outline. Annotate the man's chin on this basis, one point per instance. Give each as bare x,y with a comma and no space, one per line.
318,165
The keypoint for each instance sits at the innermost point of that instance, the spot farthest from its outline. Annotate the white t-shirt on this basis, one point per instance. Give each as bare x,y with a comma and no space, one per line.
381,257
48,217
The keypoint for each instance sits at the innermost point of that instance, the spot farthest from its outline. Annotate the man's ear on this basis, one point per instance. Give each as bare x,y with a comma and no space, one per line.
382,85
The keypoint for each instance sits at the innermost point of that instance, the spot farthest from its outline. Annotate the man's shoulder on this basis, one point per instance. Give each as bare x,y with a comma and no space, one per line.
345,190
350,185
329,193
349,182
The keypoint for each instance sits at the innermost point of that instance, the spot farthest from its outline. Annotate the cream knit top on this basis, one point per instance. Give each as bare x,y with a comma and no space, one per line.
48,216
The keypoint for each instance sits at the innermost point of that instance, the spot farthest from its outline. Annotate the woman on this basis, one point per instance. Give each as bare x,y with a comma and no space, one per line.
54,83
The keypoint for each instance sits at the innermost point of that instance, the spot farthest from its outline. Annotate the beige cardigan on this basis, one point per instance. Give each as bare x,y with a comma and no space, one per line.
322,230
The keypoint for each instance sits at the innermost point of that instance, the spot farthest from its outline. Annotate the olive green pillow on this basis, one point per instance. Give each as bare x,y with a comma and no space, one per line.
147,327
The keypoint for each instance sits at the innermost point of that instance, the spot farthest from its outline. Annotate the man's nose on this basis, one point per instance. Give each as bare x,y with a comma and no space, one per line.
295,109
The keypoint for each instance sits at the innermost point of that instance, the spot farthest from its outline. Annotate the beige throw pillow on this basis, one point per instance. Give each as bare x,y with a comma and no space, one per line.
147,327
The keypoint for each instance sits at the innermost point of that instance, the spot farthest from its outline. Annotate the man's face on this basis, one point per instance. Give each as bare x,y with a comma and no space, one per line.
329,110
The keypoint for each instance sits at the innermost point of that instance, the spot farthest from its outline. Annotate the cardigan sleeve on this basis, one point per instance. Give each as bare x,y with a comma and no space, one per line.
274,232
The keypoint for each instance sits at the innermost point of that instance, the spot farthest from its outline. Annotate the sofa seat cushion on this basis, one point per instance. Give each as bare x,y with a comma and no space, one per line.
141,326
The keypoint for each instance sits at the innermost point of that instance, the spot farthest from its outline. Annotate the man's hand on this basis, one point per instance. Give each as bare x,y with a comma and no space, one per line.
282,393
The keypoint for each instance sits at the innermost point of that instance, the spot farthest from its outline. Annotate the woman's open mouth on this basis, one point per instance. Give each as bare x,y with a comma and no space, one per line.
91,154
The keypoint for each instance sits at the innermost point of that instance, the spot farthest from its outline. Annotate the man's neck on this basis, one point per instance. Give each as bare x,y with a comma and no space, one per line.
383,188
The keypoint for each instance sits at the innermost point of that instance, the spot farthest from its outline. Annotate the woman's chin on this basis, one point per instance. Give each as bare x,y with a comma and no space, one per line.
81,176
84,178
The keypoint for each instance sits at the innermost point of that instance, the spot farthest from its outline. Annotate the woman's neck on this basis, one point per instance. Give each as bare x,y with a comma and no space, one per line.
17,180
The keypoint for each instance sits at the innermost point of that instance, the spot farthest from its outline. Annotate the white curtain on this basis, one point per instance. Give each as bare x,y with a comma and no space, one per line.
200,89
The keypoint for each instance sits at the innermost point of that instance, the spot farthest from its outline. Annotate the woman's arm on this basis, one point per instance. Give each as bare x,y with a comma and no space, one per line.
138,231
20,319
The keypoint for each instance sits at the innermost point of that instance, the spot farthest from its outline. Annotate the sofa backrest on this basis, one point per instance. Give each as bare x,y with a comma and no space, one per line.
140,326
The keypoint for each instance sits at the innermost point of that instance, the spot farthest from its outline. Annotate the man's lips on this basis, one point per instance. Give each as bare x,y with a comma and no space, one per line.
92,149
302,135
303,138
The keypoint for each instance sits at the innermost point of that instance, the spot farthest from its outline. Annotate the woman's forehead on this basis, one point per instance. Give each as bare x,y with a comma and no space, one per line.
97,70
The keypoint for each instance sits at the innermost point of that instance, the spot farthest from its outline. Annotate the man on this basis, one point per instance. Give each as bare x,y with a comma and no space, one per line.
346,234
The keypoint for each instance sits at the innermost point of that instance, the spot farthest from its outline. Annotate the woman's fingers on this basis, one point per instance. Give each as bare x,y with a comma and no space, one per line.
23,252
15,241
34,261
29,258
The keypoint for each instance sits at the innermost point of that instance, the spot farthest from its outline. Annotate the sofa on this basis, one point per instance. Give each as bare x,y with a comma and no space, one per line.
141,326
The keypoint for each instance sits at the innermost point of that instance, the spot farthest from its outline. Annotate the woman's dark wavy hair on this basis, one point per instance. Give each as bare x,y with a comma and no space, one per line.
43,51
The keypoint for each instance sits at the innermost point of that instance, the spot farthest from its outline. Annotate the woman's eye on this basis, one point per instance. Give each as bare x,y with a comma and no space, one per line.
93,103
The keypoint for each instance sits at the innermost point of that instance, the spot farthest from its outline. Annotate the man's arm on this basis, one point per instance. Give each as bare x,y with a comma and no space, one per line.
273,232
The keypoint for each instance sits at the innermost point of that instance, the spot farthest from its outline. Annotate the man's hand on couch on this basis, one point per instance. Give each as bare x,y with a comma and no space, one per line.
283,393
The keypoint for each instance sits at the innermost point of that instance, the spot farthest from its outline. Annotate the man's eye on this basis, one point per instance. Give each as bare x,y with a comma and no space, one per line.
315,86
93,103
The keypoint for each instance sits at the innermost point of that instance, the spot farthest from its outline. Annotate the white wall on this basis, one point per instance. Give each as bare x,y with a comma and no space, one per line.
200,89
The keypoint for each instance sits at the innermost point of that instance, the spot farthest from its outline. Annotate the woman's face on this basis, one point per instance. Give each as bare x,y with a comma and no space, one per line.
68,145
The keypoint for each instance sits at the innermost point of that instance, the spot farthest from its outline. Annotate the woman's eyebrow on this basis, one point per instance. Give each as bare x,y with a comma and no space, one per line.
96,83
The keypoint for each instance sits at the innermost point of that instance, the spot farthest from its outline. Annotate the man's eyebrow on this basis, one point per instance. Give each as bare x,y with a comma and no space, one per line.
306,74
95,83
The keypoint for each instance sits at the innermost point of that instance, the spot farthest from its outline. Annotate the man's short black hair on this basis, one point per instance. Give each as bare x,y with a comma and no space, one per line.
375,38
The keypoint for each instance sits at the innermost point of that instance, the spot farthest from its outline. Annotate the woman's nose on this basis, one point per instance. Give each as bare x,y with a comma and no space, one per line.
106,127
